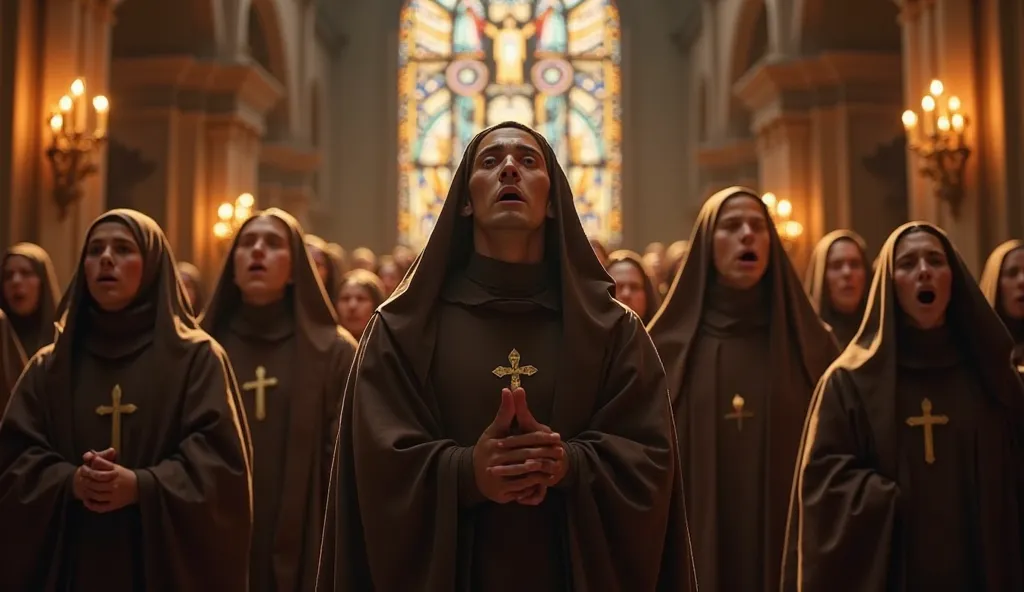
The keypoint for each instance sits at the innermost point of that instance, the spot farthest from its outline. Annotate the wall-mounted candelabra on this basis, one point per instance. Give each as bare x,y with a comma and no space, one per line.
937,138
231,216
74,141
781,211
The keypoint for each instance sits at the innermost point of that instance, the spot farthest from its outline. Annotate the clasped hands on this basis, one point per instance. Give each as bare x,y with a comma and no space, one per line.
518,467
103,485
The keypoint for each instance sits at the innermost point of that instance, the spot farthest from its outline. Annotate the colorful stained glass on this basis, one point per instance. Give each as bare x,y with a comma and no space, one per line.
550,64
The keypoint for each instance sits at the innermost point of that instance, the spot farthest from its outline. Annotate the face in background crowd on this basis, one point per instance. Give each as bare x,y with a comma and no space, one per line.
845,276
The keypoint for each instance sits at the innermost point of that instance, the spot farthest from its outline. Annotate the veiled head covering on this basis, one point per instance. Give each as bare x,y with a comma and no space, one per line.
588,306
334,264
12,360
871,356
42,321
314,314
650,291
795,326
366,279
814,278
191,273
989,282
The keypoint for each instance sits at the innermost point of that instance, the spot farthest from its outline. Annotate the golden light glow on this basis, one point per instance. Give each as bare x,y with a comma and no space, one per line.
785,208
928,103
56,122
909,119
953,103
943,123
770,200
221,230
958,122
781,210
936,88
232,215
225,211
101,104
65,103
78,87
246,201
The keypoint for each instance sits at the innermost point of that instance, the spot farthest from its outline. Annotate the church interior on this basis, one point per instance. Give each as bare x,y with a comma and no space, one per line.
353,115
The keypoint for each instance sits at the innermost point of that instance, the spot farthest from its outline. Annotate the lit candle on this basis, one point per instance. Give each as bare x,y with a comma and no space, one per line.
67,107
56,125
102,107
936,88
953,103
928,106
958,126
910,124
78,94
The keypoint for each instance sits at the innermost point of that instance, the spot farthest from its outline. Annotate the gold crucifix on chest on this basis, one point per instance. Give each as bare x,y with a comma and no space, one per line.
514,370
926,420
260,386
115,409
738,413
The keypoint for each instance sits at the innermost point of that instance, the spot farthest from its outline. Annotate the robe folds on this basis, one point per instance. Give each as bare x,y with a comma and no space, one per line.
873,511
305,359
757,353
426,384
12,360
185,439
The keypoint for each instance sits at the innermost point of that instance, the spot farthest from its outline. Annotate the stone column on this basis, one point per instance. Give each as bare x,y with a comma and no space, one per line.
286,179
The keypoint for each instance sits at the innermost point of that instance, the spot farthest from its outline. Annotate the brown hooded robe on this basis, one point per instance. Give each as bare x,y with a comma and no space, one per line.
186,269
844,326
12,360
767,345
186,440
333,283
301,348
650,291
37,329
989,284
405,512
871,513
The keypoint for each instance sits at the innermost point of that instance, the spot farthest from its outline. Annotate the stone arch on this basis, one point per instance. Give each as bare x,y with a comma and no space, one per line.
182,27
751,43
264,38
865,25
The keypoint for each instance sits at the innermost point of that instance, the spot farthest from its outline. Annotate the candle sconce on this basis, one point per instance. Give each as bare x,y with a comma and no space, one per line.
781,212
937,138
71,144
231,216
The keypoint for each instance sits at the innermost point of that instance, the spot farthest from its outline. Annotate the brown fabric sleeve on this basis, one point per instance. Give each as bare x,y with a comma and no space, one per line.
847,511
196,505
35,482
341,366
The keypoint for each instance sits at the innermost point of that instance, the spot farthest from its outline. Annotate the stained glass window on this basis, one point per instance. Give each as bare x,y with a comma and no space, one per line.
551,64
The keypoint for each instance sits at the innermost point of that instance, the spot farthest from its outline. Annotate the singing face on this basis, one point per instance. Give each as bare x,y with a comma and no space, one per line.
845,276
629,286
923,279
21,285
263,260
113,266
1011,284
355,307
509,185
741,242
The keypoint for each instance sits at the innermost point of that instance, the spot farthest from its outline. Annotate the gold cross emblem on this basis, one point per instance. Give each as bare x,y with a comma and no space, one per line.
926,420
260,386
115,409
737,412
514,370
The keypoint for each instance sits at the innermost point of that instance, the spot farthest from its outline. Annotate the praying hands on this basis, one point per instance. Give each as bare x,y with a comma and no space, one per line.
518,467
103,485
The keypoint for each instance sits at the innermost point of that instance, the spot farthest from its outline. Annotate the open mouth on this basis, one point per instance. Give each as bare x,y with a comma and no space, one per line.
748,257
106,279
257,267
926,296
510,194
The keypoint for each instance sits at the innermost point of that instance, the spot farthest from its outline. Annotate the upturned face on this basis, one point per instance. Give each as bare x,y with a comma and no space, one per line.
355,307
741,242
509,184
845,276
629,286
21,285
113,266
1011,284
263,260
923,279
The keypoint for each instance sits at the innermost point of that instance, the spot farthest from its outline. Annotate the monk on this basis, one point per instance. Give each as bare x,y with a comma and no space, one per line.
507,424
192,279
271,314
1002,283
634,286
743,350
30,295
12,360
124,455
327,267
837,282
911,476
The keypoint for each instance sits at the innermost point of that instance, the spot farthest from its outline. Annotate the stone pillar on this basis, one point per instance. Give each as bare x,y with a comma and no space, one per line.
57,42
820,123
201,122
286,179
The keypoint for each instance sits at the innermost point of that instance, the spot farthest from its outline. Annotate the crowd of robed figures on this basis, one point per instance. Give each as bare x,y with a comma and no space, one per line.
503,423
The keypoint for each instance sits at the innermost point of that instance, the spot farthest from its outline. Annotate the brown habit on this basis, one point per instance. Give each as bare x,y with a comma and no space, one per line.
35,330
405,513
334,266
186,441
715,344
871,512
844,326
650,291
303,350
12,360
989,284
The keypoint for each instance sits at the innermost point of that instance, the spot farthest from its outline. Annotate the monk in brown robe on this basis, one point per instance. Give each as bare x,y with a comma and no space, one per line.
271,314
1002,283
192,279
124,457
12,360
507,424
911,476
743,350
837,282
30,295
327,267
634,286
